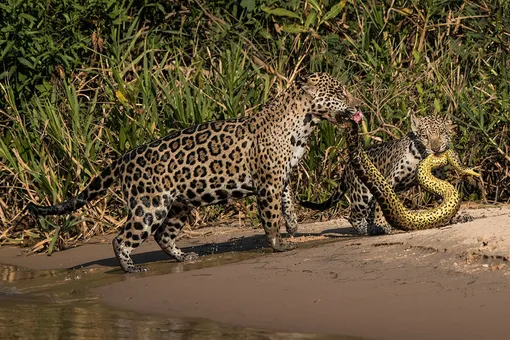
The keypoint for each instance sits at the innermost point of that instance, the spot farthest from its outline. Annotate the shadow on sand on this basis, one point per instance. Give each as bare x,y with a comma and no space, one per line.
241,244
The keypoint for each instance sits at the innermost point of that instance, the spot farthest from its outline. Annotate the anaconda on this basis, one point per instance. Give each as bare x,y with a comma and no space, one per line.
394,211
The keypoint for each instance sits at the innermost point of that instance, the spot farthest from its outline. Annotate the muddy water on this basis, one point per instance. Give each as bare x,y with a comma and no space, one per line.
57,304
33,318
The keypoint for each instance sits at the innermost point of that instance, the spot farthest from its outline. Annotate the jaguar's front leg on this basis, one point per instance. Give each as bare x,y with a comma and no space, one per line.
289,214
379,226
269,203
461,218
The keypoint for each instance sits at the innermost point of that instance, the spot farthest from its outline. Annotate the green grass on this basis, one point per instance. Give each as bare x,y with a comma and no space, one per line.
81,84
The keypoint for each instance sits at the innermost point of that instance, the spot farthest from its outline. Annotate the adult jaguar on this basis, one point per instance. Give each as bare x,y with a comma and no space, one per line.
398,162
215,163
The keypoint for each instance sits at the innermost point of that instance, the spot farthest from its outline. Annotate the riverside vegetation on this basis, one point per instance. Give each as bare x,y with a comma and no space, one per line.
82,82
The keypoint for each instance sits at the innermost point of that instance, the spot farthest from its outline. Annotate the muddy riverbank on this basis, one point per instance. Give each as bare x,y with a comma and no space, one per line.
448,283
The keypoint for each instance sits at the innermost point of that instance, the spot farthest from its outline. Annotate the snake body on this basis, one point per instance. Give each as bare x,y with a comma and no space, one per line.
394,211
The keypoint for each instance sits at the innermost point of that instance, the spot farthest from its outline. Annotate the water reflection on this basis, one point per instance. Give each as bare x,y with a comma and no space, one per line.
57,304
23,317
10,273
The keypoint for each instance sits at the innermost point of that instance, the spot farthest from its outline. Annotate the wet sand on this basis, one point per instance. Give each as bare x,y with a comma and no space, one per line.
448,283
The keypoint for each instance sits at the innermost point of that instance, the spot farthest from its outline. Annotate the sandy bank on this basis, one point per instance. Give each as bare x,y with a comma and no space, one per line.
448,283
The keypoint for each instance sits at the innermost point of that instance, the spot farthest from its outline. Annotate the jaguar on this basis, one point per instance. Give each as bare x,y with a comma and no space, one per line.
216,163
394,211
398,162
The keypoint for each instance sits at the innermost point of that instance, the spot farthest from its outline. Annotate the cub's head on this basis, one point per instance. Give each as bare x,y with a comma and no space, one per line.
434,132
330,99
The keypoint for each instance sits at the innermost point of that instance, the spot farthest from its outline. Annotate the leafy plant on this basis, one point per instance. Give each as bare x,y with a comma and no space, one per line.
84,81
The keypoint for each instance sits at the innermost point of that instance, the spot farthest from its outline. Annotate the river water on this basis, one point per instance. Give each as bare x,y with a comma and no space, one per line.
57,304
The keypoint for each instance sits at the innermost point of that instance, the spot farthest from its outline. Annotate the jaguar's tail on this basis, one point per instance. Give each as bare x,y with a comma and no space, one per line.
96,188
328,204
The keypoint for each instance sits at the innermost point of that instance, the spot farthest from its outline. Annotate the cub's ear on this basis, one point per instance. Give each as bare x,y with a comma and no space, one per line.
450,125
415,123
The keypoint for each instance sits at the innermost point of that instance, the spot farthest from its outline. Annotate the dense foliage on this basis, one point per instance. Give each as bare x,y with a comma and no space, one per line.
84,81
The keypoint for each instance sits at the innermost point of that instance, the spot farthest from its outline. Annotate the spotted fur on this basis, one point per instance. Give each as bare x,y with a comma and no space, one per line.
394,211
398,162
216,163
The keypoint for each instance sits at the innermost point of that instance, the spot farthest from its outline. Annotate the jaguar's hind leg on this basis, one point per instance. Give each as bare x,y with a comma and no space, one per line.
165,236
143,219
123,251
134,233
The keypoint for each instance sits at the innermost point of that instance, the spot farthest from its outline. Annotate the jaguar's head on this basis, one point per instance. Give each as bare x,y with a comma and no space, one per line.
434,132
331,100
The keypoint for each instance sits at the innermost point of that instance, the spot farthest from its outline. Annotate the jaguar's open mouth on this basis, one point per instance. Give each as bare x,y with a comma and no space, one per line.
357,117
343,122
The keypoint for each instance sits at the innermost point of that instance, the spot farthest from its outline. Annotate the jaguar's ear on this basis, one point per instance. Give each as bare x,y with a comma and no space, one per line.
451,126
308,83
300,80
415,123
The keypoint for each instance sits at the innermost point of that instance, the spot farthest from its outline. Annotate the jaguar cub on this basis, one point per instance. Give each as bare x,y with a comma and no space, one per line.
216,163
398,162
